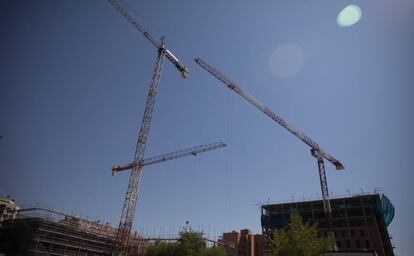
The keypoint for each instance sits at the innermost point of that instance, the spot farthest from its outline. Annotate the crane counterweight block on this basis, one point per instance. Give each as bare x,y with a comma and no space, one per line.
175,61
338,166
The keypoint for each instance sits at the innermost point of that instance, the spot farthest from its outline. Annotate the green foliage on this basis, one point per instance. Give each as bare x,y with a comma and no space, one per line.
298,239
189,244
162,248
216,251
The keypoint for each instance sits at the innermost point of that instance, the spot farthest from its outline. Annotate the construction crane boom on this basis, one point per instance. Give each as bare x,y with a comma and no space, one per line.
123,9
316,151
247,96
170,156
128,210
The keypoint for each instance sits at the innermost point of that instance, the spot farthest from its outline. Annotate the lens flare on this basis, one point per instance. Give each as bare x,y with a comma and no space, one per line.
349,16
287,60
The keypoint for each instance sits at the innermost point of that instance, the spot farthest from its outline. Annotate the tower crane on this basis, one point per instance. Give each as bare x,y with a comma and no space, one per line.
316,150
128,210
170,156
123,9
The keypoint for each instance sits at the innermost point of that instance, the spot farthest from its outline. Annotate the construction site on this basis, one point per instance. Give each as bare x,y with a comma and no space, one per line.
355,224
359,223
42,231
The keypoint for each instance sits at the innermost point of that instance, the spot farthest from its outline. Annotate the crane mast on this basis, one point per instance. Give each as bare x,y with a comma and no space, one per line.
128,210
316,151
170,156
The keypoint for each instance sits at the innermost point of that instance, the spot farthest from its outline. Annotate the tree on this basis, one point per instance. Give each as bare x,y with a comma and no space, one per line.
190,243
298,239
161,248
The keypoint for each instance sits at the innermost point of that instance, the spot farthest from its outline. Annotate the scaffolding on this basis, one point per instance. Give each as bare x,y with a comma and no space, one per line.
39,231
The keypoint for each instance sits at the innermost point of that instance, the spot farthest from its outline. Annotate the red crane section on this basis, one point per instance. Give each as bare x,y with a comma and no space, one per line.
194,151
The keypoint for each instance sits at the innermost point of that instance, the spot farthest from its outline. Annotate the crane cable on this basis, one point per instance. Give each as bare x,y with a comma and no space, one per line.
229,163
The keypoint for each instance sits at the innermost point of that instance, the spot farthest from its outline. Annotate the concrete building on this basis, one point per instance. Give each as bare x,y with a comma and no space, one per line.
243,243
358,222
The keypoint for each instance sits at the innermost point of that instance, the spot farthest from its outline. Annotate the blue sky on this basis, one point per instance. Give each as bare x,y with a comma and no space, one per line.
74,80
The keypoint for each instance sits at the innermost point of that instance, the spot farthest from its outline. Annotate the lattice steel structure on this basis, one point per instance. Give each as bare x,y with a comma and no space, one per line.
128,210
316,150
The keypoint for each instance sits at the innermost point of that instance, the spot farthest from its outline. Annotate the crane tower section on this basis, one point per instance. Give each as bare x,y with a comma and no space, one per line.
128,210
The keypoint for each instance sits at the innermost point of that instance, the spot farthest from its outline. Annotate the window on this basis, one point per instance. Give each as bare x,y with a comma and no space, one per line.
358,244
352,233
343,233
348,244
361,232
338,244
367,244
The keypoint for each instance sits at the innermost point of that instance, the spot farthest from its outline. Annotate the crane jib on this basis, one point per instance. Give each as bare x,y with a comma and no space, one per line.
170,156
250,98
123,9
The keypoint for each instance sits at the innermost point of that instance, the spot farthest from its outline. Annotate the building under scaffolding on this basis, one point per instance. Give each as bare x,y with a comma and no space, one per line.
39,231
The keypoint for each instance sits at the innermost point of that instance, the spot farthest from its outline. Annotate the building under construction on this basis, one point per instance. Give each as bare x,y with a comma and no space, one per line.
358,222
40,231
242,244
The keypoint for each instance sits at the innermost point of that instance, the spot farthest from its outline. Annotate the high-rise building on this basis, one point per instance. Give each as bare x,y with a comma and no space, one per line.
243,243
358,222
